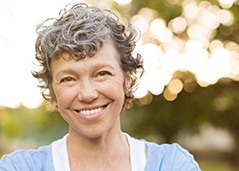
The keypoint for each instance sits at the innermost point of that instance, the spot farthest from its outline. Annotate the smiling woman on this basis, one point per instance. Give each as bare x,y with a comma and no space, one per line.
88,74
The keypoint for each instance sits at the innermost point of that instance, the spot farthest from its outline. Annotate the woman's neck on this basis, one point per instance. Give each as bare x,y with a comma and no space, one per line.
109,150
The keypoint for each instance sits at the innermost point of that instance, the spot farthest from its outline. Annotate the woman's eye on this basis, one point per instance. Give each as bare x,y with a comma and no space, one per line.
67,80
103,73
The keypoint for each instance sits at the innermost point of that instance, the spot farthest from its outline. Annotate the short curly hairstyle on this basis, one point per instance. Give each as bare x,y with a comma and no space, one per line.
81,31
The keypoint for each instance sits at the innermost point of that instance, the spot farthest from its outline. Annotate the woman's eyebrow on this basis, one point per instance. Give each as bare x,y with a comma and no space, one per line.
95,66
65,71
103,65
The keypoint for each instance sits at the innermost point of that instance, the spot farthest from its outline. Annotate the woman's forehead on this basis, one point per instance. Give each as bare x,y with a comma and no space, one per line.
106,55
107,48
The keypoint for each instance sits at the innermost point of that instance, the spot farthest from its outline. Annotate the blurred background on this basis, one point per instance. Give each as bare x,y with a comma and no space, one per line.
189,93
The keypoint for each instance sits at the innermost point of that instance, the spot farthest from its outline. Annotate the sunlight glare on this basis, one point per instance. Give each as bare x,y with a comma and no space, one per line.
160,31
168,95
216,67
215,44
175,86
178,25
226,3
225,17
140,22
232,46
190,10
123,2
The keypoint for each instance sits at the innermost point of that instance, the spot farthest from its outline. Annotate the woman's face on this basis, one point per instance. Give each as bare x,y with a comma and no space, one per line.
89,92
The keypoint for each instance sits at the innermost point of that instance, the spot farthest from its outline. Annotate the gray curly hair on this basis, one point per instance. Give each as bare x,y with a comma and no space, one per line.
81,31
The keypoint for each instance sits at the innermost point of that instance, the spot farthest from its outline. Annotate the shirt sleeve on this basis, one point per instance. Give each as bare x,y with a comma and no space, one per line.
28,160
6,164
169,157
16,161
180,159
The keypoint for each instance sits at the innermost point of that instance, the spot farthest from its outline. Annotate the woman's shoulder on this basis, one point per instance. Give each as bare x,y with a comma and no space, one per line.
167,149
169,157
35,159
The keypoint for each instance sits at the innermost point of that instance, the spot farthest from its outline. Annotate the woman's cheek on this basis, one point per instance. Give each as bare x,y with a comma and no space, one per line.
112,89
65,96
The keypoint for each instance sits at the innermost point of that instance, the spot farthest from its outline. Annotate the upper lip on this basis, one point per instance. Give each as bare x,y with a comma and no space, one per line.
91,107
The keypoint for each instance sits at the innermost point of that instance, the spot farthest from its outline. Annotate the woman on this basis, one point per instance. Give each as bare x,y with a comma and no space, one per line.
88,74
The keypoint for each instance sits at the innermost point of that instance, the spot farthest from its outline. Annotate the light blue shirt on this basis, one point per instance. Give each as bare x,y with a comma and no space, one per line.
165,157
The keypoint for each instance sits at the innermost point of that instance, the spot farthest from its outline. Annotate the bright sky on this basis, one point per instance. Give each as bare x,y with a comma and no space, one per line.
17,37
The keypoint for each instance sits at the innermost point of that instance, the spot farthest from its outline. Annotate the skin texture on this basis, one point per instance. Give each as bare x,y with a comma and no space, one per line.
92,85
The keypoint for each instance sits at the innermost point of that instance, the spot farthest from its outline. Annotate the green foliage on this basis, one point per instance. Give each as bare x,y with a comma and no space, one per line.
164,9
216,104
216,165
23,123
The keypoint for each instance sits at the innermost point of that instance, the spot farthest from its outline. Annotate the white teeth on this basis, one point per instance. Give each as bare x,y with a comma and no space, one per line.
91,112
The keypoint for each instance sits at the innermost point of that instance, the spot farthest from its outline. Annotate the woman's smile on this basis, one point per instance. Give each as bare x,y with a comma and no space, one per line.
90,111
91,114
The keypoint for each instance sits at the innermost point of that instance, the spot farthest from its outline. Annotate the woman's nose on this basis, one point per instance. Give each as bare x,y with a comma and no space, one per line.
87,91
